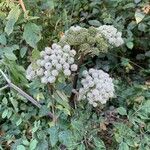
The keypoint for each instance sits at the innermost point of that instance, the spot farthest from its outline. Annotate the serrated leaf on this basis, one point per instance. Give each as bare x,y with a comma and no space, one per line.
139,16
2,39
32,34
12,19
122,111
53,131
66,138
33,144
21,147
123,146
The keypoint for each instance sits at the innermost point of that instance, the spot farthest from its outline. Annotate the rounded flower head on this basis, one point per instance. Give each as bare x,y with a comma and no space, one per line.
111,34
53,62
97,86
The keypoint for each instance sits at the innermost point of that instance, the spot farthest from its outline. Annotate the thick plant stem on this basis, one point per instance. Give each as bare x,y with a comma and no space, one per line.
24,94
22,5
75,80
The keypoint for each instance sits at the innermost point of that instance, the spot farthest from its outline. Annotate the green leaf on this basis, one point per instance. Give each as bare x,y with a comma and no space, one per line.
19,122
66,138
139,16
33,144
95,23
122,111
4,114
35,55
21,147
99,144
137,1
11,56
3,39
23,51
130,45
81,147
123,146
53,131
12,18
5,101
32,34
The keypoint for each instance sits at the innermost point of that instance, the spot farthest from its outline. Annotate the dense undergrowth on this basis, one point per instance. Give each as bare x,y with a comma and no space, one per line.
123,123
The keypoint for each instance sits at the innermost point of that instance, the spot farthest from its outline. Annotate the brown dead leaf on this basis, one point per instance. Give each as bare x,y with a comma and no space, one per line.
103,126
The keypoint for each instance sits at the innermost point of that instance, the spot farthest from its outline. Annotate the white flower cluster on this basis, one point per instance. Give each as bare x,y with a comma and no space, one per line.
113,36
97,87
53,62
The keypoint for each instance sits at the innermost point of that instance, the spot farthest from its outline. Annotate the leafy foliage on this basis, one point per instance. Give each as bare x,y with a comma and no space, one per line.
122,124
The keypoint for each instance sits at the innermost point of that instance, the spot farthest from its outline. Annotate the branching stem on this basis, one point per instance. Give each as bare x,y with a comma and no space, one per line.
24,94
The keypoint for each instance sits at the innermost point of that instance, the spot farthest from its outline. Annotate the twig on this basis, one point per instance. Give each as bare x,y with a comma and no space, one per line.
24,94
4,87
75,80
22,5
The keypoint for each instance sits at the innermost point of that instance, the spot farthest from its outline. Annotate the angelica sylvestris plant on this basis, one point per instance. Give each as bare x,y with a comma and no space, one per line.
57,61
54,62
97,87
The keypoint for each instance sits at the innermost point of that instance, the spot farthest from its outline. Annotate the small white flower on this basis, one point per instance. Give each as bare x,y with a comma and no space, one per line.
66,66
66,48
91,83
84,73
94,104
74,67
54,62
40,72
48,50
52,57
29,77
44,80
58,57
48,66
54,46
46,73
91,70
67,72
51,79
71,60
62,61
95,75
55,73
65,56
72,53
58,66
42,53
46,58
42,63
